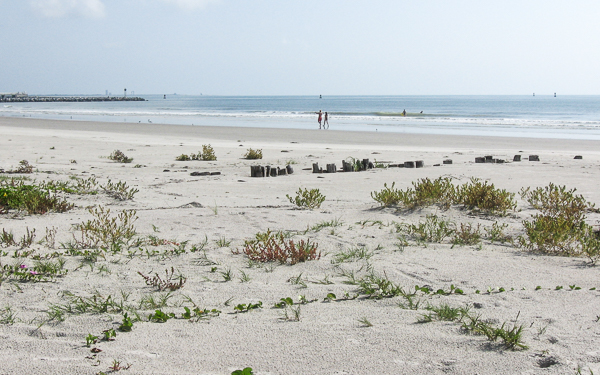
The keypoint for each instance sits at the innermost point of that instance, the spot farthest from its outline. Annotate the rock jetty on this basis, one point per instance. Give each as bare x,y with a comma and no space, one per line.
24,99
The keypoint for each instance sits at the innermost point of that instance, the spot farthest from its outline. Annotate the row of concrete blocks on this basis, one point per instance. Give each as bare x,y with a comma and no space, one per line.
205,173
268,171
491,159
409,164
362,165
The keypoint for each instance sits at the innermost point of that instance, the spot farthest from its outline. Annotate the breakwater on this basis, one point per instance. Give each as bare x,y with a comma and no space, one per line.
45,99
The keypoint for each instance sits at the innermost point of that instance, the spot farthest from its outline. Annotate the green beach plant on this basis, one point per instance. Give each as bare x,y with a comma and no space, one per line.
30,198
485,197
119,157
305,198
253,154
433,229
269,247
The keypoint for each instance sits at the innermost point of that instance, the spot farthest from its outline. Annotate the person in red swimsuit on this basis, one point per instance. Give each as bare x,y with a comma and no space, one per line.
320,117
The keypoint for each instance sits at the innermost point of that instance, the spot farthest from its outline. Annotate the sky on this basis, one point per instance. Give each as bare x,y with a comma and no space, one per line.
300,47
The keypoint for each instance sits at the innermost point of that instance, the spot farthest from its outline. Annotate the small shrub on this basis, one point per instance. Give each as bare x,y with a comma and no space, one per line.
245,371
33,199
467,234
560,228
24,167
431,230
376,286
269,247
496,233
387,197
119,190
183,157
119,157
105,232
425,192
555,201
253,154
170,282
310,199
487,198
127,324
553,235
208,153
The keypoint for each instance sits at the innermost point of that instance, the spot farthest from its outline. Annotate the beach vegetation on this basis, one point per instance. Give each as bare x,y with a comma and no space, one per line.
244,277
337,222
365,322
245,371
283,302
245,307
208,153
298,280
7,315
109,233
309,199
169,282
109,334
554,200
119,157
30,198
377,286
496,233
270,247
23,168
467,234
226,274
511,336
443,193
155,300
485,197
117,366
196,314
433,230
560,227
223,242
90,339
253,154
352,254
41,271
119,190
388,196
126,325
291,313
183,157
160,317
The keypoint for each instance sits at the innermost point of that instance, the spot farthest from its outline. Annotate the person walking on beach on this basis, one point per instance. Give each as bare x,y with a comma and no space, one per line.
320,117
404,113
326,121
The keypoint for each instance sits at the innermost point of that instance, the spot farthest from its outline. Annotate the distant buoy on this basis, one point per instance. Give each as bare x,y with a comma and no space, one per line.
320,96
555,95
164,96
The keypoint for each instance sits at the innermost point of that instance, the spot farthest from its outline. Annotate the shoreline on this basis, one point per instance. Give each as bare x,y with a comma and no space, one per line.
316,136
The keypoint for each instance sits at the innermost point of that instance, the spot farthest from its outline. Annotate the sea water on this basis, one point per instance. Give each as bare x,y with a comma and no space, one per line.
575,117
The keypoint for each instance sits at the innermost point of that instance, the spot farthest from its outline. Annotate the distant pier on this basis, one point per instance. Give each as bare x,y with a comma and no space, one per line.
24,98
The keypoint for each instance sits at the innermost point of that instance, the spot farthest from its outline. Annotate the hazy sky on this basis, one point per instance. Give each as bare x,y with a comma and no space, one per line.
300,47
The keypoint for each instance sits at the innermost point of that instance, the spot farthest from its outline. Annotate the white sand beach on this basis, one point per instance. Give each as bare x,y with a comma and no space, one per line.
335,335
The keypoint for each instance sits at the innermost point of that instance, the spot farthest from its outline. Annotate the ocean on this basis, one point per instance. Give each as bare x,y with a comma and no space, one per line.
545,116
